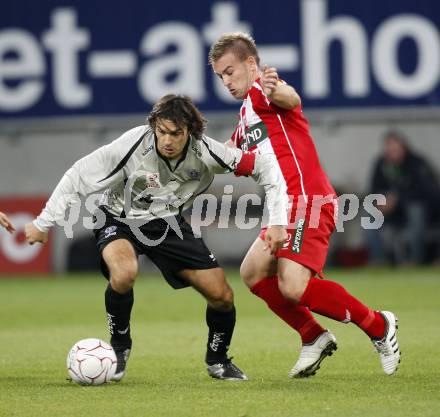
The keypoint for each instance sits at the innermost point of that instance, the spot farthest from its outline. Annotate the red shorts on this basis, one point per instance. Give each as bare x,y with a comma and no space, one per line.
308,242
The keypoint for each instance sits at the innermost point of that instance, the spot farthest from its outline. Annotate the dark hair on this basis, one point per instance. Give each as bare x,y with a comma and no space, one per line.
180,110
240,44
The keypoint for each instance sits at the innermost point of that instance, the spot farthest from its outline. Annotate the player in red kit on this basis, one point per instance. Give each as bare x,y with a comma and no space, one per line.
288,277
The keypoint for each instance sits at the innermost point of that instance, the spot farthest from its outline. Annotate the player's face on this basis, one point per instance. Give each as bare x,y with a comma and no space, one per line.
171,139
237,76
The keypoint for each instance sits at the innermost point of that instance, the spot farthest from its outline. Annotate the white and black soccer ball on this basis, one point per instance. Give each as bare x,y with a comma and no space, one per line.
91,362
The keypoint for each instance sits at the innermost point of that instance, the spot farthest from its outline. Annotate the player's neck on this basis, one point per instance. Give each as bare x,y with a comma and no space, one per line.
254,76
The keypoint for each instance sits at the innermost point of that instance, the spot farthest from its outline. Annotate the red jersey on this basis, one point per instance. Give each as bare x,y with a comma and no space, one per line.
267,128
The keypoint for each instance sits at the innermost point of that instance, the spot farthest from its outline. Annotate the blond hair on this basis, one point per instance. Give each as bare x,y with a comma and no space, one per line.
241,44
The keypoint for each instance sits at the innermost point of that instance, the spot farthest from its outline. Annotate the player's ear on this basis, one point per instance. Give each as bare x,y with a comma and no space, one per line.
188,132
251,60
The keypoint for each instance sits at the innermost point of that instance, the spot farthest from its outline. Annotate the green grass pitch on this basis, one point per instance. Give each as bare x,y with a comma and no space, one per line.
40,319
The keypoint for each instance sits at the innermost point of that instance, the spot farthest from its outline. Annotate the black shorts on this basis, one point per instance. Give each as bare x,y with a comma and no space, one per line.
171,255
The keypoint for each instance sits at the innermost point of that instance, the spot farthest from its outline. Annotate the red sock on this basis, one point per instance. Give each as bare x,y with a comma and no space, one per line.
332,300
295,316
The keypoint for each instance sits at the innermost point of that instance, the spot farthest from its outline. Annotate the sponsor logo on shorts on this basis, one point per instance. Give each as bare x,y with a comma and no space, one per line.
297,240
110,231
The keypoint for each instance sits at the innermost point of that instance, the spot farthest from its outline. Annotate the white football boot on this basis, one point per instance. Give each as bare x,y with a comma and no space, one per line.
388,347
313,354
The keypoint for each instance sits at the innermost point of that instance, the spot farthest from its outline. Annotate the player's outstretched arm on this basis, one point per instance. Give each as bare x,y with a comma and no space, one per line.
280,93
93,173
276,200
6,223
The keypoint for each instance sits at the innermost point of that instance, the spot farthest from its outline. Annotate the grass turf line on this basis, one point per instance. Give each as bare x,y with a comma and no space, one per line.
42,318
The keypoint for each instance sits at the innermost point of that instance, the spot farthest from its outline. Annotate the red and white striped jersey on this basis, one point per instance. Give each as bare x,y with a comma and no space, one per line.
267,128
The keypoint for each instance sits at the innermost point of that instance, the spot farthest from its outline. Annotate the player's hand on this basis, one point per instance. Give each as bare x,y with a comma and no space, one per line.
275,237
33,235
269,80
6,223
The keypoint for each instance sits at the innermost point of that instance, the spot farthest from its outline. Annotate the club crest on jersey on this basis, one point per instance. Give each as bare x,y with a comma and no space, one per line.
194,174
152,180
110,231
254,135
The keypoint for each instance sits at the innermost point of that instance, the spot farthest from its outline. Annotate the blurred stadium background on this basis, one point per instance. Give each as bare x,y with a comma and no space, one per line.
76,74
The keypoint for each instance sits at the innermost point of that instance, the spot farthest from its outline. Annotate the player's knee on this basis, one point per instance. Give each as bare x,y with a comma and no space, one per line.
123,276
222,299
293,280
290,291
254,268
251,274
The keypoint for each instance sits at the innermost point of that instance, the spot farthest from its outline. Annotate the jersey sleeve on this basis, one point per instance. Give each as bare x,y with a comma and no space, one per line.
277,199
95,172
262,103
236,138
218,157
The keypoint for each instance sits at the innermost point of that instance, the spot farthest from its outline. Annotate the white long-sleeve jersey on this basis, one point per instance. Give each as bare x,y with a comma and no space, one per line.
140,184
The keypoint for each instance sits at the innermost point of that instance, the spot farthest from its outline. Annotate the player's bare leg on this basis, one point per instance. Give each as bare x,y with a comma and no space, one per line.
259,272
212,284
332,300
257,264
220,318
122,263
121,260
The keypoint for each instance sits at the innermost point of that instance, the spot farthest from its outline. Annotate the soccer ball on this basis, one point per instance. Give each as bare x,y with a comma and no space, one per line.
91,362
